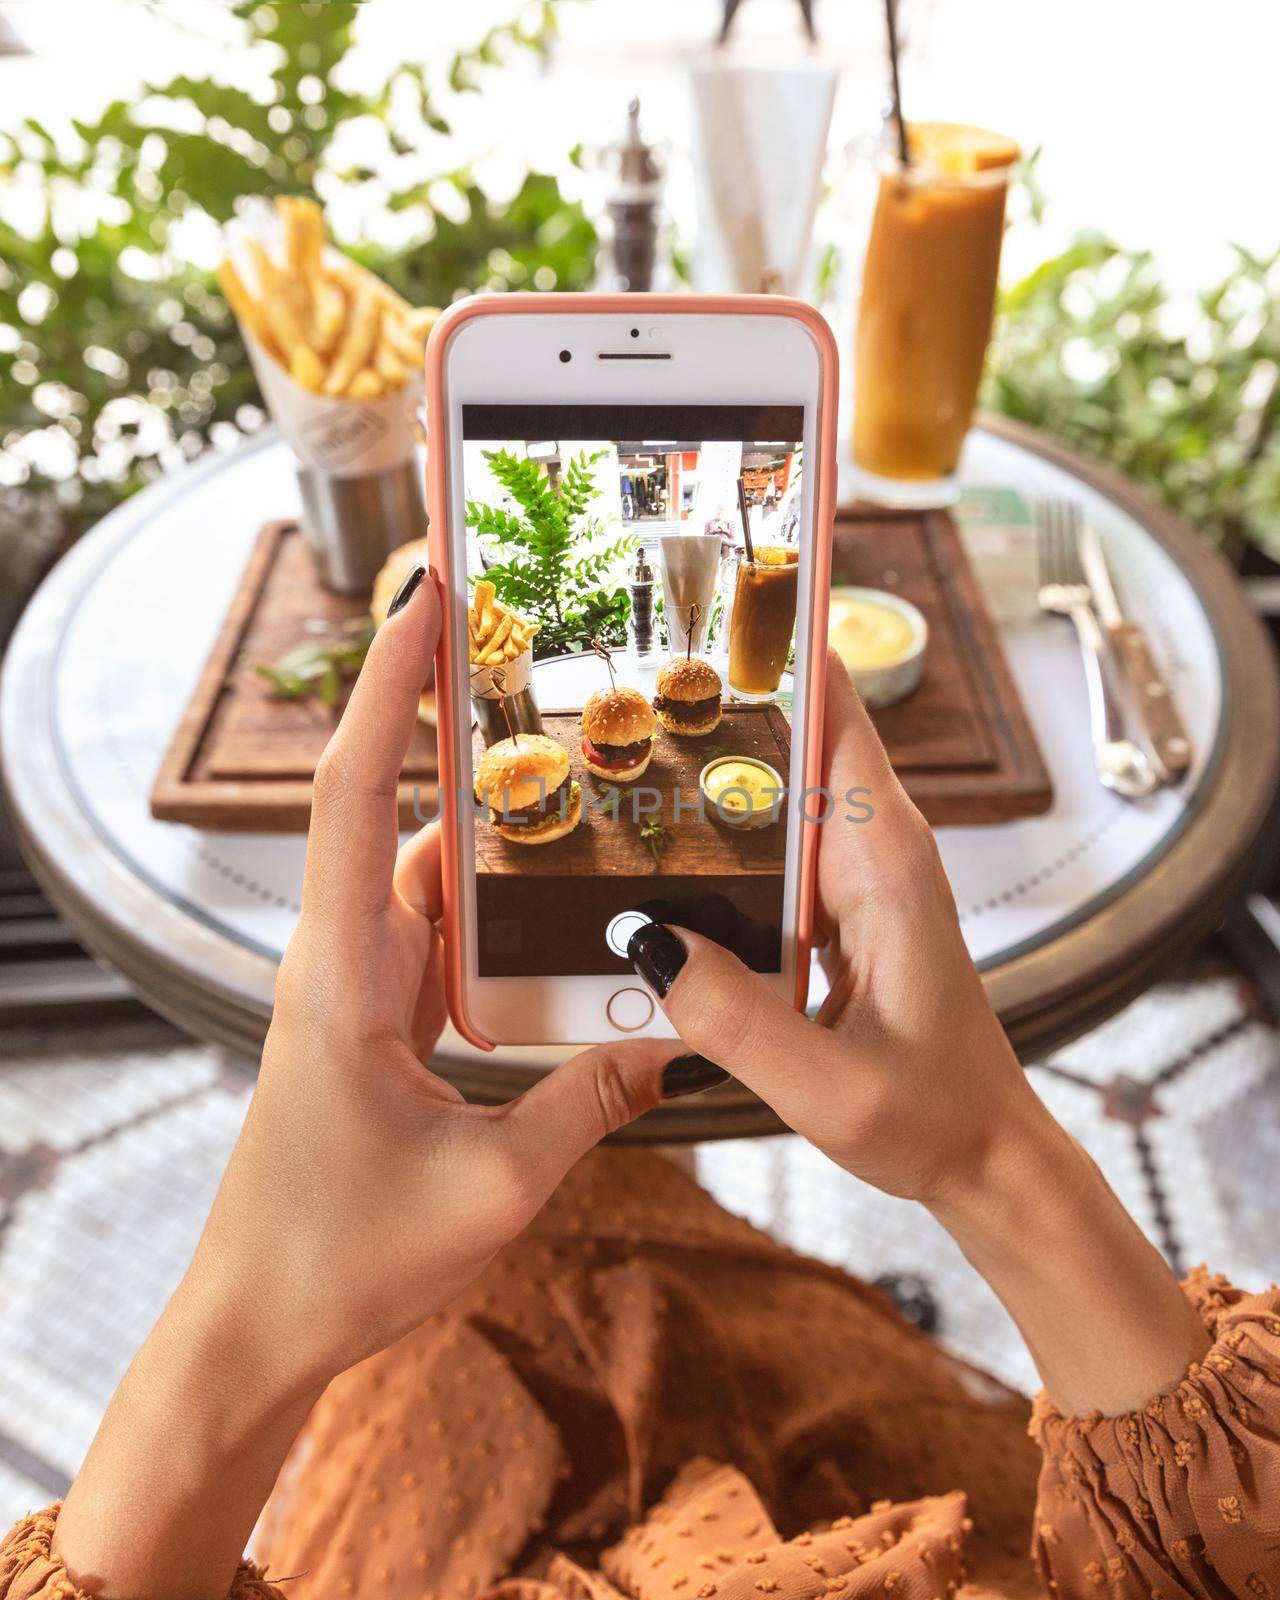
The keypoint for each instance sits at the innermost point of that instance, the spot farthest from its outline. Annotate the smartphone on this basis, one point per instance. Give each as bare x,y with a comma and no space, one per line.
629,679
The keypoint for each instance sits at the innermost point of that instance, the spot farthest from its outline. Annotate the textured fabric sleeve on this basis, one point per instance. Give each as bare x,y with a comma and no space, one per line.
1181,1498
29,1570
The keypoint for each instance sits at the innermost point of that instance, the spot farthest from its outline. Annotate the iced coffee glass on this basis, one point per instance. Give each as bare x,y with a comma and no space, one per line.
928,294
762,620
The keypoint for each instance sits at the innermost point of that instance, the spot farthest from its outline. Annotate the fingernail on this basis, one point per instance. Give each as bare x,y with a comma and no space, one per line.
405,592
689,1074
657,955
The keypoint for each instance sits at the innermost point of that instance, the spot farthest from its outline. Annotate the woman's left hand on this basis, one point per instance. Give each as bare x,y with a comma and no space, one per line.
363,1193
364,1188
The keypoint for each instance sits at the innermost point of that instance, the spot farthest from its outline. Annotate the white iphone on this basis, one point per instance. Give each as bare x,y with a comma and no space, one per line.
631,500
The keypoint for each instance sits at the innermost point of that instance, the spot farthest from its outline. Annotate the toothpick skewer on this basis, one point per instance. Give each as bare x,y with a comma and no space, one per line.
695,615
603,651
499,678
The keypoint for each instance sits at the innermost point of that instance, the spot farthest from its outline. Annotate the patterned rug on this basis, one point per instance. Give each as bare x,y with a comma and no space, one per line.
112,1141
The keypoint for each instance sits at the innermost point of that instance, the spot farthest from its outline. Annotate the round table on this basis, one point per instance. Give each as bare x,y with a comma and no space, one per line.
1068,914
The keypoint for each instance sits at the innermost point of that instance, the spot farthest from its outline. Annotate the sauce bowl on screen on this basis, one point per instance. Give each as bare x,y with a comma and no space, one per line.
741,791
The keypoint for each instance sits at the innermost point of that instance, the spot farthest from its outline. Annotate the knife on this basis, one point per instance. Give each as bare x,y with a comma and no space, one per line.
1164,727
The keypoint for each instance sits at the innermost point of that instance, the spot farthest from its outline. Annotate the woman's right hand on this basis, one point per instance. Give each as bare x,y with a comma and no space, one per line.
908,1082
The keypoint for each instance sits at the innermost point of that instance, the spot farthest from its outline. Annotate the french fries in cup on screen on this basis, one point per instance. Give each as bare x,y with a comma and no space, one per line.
498,637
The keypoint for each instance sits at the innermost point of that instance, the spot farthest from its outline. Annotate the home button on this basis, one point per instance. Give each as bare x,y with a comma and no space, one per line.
629,1010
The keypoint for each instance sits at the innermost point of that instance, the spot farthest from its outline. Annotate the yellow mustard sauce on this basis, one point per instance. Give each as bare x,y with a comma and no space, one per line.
867,634
762,792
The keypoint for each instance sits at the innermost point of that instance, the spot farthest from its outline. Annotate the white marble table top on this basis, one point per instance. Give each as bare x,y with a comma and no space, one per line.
123,626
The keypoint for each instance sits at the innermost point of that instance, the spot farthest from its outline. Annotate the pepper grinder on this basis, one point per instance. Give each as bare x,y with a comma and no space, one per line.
634,205
641,586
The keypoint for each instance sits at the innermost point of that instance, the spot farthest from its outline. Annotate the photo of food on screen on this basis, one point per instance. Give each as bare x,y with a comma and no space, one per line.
632,577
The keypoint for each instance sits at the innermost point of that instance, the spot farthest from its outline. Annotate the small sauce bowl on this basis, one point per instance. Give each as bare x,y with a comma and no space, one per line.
885,676
755,802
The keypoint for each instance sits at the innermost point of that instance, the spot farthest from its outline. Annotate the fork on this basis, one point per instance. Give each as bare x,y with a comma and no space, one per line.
1123,767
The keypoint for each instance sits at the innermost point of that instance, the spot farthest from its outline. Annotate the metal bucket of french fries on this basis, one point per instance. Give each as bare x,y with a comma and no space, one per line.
500,648
338,355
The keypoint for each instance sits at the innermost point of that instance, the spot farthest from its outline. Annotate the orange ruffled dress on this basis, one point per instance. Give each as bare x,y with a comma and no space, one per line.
644,1398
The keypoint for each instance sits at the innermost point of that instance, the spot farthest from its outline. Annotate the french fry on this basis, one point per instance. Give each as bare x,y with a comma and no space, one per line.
280,301
366,385
244,305
484,605
306,368
388,365
422,319
358,277
395,331
328,311
356,345
303,233
500,633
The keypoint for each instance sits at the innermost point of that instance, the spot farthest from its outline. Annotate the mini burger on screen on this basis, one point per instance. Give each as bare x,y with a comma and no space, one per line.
618,728
687,697
526,783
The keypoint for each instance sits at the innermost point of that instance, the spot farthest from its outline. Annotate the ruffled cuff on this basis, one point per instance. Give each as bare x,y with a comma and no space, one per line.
29,1570
1179,1497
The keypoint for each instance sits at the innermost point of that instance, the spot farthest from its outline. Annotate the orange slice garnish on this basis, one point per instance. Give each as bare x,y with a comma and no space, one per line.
956,148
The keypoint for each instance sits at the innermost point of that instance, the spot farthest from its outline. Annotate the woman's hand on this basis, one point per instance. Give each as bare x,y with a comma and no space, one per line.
907,1081
363,1193
364,1189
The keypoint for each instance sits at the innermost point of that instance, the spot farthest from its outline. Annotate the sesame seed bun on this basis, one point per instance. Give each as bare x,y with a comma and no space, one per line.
617,716
520,771
688,679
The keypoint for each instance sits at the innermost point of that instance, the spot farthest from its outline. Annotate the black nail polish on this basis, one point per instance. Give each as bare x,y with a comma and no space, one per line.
405,592
657,955
689,1075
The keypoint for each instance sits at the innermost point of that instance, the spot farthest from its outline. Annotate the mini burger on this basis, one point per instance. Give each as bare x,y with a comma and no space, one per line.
688,697
618,726
527,786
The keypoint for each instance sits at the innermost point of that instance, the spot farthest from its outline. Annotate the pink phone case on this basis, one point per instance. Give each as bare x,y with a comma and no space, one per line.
438,507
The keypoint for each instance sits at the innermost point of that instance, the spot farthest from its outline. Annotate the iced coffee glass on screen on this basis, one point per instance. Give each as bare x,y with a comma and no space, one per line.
762,620
928,293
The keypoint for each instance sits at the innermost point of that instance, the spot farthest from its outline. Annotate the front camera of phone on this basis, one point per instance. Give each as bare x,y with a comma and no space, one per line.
566,355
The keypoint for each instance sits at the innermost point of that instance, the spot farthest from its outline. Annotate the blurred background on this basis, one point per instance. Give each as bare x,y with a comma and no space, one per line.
459,148
465,147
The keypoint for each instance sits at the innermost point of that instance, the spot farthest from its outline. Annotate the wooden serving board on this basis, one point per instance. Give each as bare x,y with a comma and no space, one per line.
543,909
242,760
961,744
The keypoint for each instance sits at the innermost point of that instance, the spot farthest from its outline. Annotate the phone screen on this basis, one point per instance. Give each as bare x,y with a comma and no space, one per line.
630,665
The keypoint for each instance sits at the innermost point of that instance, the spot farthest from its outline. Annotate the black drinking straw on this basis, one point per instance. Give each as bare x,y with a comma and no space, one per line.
746,518
603,651
891,23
